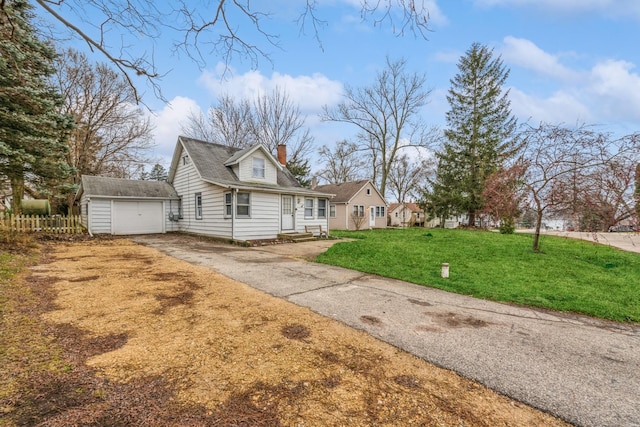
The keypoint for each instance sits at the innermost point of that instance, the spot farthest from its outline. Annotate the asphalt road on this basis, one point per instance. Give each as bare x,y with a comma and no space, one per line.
583,370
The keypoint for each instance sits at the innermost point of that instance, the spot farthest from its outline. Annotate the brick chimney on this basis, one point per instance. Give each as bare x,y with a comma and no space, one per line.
282,154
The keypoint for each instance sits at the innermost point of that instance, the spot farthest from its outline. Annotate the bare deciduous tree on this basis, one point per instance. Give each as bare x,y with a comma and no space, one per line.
407,176
271,119
553,154
606,194
345,163
387,115
278,121
636,194
221,29
112,134
229,122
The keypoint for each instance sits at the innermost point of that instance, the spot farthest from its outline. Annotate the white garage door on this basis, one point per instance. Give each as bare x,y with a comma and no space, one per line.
137,217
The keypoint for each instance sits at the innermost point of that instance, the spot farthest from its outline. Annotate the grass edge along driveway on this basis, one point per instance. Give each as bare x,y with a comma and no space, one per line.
568,275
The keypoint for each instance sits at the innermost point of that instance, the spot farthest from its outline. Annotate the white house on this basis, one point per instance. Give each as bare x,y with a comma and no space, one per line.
406,215
223,192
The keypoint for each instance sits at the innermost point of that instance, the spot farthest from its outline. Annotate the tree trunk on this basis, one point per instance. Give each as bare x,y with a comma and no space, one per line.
536,235
17,191
472,218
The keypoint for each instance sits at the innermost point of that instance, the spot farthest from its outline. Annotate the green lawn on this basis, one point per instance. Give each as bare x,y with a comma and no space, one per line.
570,275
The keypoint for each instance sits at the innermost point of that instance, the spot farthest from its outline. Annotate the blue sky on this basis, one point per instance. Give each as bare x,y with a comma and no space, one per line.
571,61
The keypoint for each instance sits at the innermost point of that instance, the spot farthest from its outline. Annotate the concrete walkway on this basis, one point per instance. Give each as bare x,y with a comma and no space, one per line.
583,370
627,241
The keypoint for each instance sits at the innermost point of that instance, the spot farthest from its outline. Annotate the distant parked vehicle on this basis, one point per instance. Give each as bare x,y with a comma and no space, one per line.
622,228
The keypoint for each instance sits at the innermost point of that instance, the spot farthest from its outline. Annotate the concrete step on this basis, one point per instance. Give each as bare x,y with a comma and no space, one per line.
296,237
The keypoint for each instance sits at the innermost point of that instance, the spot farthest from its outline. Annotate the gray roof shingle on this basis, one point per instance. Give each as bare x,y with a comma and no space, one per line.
118,187
209,160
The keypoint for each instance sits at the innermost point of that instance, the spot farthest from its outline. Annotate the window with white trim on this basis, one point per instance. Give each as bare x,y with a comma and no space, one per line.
322,208
332,211
380,211
198,205
243,205
358,210
228,204
308,208
258,167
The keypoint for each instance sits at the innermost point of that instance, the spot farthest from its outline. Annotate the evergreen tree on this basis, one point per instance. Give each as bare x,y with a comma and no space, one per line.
479,134
301,170
32,133
157,173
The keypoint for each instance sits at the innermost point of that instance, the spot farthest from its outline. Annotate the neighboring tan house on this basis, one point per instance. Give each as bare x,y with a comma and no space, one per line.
356,205
213,190
406,215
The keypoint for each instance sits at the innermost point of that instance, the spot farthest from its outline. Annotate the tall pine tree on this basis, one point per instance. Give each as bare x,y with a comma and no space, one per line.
32,132
479,134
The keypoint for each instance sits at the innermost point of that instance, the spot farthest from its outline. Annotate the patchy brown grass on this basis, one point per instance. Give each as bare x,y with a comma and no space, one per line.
112,333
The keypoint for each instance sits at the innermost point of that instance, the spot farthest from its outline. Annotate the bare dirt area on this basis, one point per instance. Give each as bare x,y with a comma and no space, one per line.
146,339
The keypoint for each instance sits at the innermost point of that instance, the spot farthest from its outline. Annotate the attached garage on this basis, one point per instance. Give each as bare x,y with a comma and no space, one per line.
123,207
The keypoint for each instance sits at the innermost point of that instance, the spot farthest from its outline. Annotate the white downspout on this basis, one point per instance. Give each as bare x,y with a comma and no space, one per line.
234,201
88,217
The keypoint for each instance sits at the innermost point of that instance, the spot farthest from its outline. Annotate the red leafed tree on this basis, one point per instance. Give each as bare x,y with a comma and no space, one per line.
503,196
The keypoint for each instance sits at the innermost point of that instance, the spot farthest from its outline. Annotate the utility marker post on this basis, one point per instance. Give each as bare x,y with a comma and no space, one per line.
445,270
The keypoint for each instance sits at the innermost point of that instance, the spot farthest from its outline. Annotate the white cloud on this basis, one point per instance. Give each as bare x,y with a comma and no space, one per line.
560,107
611,8
617,89
450,56
606,93
168,122
526,54
309,92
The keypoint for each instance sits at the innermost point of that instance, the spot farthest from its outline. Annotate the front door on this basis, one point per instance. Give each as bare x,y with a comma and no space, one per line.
287,213
372,216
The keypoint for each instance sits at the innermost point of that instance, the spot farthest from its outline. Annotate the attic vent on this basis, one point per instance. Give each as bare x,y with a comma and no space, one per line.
185,160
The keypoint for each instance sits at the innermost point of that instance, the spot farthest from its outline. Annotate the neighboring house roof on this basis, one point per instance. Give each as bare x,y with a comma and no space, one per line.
213,163
345,191
411,206
125,188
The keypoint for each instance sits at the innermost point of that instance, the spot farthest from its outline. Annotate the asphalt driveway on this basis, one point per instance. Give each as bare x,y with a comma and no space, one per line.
583,370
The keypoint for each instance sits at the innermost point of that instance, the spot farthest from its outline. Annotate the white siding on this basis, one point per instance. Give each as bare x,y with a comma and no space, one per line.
245,172
187,183
83,210
265,218
100,215
170,207
301,221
